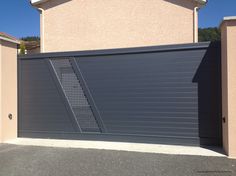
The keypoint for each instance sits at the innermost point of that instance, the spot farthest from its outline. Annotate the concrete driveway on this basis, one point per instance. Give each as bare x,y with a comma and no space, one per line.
18,160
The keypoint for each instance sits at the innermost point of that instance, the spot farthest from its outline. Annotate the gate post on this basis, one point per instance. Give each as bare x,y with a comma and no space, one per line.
8,88
228,37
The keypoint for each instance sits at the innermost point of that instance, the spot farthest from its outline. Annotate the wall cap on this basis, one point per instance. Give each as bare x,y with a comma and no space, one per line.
228,18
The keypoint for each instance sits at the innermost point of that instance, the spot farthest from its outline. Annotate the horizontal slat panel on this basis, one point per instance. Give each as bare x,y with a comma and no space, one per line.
184,134
155,124
156,119
41,106
164,95
138,93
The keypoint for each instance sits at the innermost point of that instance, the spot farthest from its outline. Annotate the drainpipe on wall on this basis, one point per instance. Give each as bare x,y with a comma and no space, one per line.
199,4
195,24
41,29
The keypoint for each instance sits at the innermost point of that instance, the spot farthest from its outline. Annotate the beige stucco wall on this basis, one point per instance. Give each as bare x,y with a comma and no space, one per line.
87,24
8,90
228,29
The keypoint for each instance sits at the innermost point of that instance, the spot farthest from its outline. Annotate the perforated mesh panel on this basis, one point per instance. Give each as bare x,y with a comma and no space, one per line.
75,94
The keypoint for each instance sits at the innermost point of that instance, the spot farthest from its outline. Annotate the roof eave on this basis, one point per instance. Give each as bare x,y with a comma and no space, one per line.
9,40
202,2
37,2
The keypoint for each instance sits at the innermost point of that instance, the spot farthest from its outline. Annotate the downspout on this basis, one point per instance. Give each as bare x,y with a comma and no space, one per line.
195,24
41,29
199,4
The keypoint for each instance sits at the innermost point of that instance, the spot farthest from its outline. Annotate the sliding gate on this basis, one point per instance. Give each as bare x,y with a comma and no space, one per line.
164,94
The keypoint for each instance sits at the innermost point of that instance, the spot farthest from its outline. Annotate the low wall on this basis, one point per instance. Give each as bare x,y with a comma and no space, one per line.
228,29
8,89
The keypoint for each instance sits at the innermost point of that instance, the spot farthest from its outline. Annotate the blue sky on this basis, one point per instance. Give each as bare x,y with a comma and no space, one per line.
19,19
213,13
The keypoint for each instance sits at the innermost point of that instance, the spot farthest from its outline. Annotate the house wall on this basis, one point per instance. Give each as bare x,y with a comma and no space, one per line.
8,90
68,25
228,29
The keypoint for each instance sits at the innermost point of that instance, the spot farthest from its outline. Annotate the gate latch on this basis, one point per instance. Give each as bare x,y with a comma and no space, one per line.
224,120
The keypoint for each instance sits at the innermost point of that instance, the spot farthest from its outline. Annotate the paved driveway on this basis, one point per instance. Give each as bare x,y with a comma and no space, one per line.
46,161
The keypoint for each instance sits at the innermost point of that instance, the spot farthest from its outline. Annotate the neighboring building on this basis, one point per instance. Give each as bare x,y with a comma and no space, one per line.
68,25
6,37
32,47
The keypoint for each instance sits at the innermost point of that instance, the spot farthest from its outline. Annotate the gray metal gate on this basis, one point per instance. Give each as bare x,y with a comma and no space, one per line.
165,94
